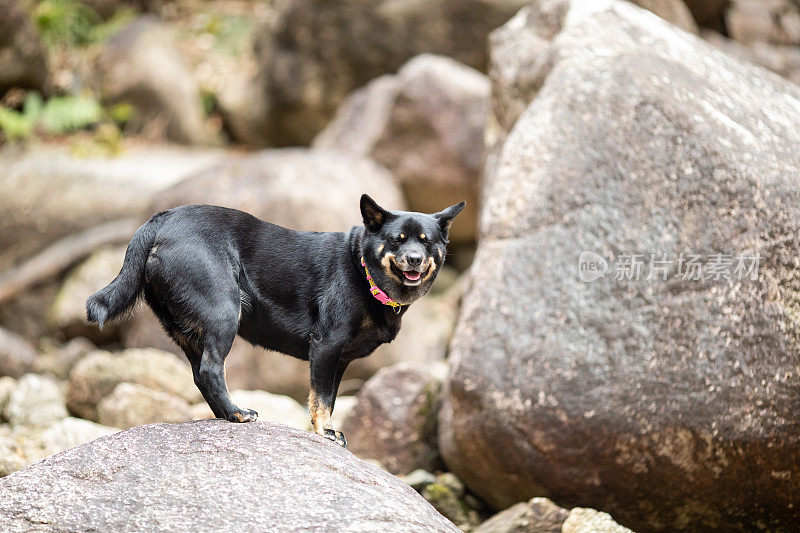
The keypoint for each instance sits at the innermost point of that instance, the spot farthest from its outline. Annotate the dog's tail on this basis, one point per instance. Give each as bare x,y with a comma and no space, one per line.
120,295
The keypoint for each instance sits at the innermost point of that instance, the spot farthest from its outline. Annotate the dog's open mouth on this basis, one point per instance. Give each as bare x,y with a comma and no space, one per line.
408,277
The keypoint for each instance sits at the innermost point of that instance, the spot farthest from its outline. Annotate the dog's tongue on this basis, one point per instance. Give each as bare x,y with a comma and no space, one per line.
412,275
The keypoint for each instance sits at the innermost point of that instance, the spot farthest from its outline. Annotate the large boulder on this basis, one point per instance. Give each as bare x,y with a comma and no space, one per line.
539,515
667,397
394,419
141,66
98,374
91,190
257,476
426,126
318,51
22,56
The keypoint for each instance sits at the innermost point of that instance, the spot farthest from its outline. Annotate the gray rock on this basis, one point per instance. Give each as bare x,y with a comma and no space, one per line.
426,126
71,432
59,360
16,354
317,52
23,58
632,396
581,520
98,374
394,420
446,495
141,65
36,401
539,515
131,405
255,476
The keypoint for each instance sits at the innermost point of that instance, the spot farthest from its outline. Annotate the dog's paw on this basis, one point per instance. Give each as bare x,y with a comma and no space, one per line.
336,436
243,415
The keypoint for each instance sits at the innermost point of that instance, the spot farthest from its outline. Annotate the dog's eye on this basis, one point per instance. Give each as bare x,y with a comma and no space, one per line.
402,237
422,236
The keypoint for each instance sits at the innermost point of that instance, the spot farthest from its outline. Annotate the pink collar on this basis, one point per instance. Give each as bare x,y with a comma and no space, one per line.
376,291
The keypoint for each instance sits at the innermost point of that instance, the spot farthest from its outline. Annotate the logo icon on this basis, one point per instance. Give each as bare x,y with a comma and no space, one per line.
591,266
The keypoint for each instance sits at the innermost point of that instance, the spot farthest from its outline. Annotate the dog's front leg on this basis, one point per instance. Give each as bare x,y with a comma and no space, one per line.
324,363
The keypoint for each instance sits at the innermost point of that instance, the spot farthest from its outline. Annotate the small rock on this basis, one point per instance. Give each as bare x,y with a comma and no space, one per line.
270,407
135,405
98,374
539,515
16,354
7,385
418,479
766,21
60,360
673,11
582,520
394,420
37,401
446,496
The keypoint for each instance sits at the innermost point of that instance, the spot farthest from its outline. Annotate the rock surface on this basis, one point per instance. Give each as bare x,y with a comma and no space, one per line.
394,420
16,354
768,21
22,56
141,66
426,126
319,51
98,374
539,515
652,399
256,476
59,361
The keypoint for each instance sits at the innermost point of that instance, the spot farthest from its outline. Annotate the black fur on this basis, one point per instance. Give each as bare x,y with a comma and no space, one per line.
210,272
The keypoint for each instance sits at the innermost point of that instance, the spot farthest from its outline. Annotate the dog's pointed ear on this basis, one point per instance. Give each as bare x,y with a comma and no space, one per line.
446,216
374,215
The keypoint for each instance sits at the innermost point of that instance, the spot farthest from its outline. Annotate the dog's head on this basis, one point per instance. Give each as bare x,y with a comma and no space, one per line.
404,251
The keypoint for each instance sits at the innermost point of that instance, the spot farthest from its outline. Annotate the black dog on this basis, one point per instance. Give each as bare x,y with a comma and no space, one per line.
210,272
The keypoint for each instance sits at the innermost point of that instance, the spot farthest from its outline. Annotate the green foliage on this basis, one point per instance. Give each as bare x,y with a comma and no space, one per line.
69,23
64,22
59,115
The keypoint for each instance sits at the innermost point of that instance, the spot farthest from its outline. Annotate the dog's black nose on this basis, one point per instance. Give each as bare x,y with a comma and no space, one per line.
414,260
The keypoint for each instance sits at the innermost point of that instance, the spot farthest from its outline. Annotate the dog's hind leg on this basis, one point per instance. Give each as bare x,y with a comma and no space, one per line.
209,370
